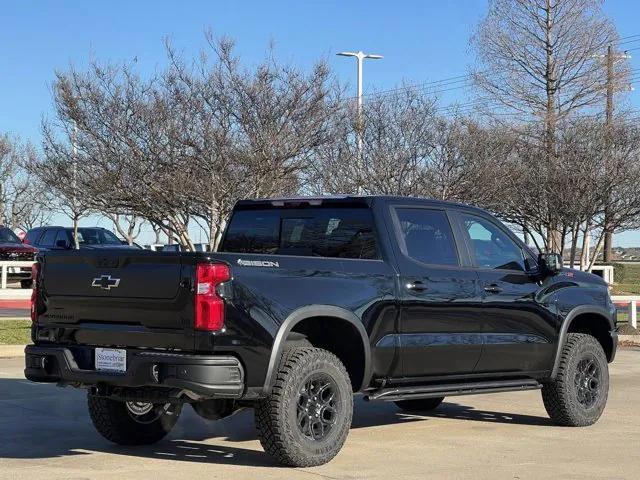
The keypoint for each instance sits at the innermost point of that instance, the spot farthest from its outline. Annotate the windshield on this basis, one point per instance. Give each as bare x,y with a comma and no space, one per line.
97,236
7,236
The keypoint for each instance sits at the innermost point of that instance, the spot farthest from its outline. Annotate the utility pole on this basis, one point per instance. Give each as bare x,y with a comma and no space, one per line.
611,58
360,56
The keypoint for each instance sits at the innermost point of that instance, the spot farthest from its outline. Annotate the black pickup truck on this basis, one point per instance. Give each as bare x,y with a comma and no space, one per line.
310,300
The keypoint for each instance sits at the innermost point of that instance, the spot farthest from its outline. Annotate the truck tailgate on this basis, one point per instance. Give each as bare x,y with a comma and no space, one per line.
116,276
132,298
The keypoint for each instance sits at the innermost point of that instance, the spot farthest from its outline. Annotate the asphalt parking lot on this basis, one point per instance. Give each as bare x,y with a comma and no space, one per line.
45,433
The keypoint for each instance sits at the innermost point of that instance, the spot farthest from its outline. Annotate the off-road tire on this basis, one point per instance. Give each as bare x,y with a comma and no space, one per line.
113,421
560,396
419,404
276,416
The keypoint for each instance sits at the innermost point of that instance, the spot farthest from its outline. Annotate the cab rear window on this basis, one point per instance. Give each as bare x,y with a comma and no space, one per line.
321,232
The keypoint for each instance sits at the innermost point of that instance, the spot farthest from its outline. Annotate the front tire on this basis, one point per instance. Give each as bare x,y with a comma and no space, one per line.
131,423
419,404
578,395
306,419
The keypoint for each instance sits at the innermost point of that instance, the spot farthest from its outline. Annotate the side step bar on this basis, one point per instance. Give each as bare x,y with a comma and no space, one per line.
452,389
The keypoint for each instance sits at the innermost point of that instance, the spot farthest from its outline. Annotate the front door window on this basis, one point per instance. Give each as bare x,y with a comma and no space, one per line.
490,246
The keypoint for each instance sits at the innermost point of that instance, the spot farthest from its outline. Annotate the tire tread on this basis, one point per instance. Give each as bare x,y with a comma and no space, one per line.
112,421
276,434
557,394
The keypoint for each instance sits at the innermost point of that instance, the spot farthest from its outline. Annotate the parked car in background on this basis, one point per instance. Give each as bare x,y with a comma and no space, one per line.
154,247
11,248
176,247
61,238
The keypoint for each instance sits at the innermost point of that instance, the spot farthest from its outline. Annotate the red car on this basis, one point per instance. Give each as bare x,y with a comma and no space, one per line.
11,248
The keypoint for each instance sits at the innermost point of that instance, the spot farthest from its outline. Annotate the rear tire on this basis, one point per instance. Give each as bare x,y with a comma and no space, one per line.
306,419
419,404
26,283
578,395
117,422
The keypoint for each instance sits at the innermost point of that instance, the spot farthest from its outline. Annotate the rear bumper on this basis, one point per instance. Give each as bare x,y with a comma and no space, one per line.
206,375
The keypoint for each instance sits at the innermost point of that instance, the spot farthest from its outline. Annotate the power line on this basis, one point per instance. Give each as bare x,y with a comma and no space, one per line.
629,36
629,41
418,86
459,82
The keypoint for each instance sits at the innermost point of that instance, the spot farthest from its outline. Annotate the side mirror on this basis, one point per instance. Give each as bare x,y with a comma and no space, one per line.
62,244
550,262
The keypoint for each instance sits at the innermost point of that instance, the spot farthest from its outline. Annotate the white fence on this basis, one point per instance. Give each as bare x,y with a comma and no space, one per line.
604,271
6,265
632,301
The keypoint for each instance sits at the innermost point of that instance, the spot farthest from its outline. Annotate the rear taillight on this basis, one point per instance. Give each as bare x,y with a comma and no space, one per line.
209,307
34,292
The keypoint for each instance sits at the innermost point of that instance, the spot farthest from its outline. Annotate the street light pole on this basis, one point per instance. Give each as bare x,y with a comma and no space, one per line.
360,56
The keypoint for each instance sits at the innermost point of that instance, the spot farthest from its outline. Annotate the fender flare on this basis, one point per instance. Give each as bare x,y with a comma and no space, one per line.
316,311
566,323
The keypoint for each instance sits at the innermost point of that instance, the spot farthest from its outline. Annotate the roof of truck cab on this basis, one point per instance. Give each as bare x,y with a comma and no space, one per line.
319,200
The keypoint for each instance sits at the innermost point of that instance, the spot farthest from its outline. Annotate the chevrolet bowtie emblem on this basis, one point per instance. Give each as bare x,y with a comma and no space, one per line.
105,282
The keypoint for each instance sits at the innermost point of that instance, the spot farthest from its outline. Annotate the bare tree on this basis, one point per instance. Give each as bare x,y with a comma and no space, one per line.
128,226
620,205
24,202
184,145
62,170
397,140
537,58
7,170
410,149
124,159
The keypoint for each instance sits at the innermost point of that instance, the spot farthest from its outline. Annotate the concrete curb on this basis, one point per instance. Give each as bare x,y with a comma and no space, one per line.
11,351
629,340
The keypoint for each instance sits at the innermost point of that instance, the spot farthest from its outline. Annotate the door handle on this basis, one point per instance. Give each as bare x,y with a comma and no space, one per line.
493,288
416,286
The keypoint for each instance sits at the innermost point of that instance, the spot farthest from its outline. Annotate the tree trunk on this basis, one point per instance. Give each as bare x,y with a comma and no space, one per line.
76,240
596,252
555,242
219,232
608,245
563,239
115,219
586,240
574,244
3,206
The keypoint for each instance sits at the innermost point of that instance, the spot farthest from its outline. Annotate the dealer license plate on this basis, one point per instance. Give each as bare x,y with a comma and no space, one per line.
111,359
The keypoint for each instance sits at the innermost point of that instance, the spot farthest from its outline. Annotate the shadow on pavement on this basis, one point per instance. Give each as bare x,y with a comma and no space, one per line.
463,412
41,421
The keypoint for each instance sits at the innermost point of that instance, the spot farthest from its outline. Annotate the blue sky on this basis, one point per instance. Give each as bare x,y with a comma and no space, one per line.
421,41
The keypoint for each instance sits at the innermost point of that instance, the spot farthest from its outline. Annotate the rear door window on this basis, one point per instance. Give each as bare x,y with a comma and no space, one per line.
427,236
62,236
49,237
97,236
32,236
321,232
